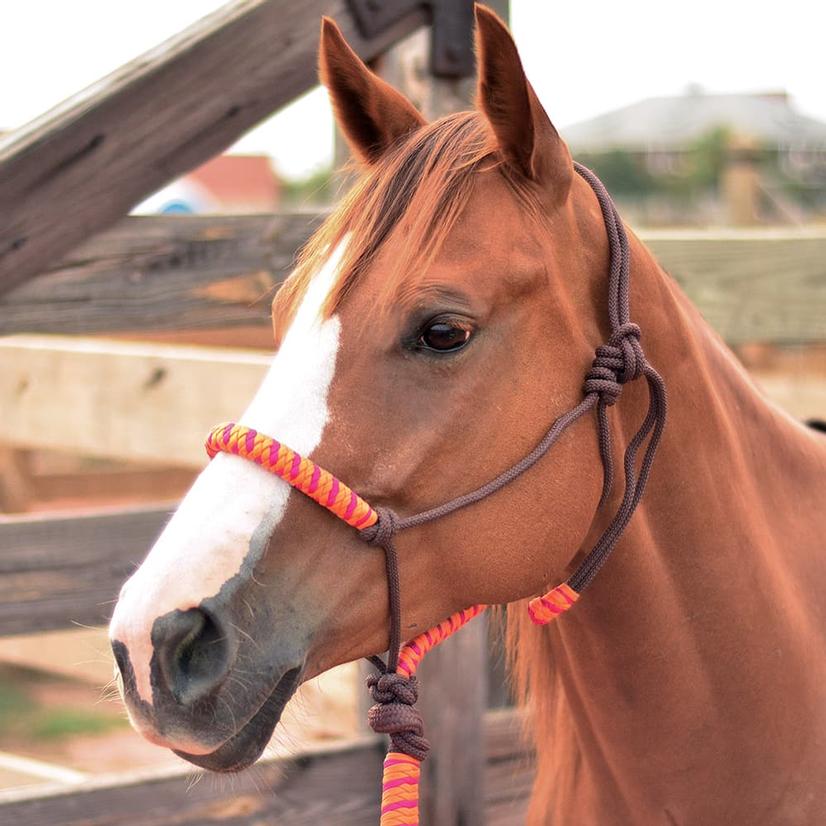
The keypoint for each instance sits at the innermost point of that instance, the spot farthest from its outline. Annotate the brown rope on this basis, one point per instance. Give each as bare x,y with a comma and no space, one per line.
394,713
616,363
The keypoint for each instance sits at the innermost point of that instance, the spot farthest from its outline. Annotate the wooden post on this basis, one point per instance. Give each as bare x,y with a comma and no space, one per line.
741,183
15,480
80,167
452,699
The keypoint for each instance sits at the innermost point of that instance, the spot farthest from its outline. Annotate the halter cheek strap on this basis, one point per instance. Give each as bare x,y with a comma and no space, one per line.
394,688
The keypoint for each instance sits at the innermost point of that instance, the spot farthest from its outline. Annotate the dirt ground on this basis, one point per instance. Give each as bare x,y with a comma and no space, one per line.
59,711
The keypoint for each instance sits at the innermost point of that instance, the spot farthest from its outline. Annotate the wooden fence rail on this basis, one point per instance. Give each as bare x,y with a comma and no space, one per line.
64,570
154,273
156,402
145,402
160,273
337,784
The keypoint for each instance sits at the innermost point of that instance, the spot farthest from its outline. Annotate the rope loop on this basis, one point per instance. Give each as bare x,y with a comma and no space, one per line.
616,363
382,531
394,713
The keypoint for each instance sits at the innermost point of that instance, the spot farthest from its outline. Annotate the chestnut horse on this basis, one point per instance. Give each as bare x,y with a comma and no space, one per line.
444,315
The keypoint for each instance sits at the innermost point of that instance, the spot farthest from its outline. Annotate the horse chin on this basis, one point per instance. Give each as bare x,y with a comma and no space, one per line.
246,745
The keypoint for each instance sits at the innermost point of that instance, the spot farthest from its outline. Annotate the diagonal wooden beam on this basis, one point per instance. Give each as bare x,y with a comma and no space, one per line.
86,163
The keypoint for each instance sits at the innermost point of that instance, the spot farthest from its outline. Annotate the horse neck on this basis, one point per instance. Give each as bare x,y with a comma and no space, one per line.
700,628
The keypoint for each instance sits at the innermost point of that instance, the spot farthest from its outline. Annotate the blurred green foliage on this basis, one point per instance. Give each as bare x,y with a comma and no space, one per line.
23,717
690,173
316,189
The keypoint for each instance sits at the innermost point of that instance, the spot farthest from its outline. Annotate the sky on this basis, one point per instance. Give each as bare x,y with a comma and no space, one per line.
583,57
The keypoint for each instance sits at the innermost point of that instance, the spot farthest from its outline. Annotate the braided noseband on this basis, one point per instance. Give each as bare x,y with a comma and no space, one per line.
394,687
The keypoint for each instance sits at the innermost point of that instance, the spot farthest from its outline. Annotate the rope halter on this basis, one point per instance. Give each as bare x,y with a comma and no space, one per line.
394,687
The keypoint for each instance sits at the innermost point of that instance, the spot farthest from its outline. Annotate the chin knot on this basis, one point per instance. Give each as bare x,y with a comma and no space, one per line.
395,715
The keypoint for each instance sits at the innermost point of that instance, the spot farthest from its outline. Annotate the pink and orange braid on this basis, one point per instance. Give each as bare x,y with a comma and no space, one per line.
413,652
549,606
400,778
303,474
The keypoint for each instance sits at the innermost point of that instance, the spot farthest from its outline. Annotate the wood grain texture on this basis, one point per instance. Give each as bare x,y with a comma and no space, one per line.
56,572
453,699
152,402
197,272
163,273
86,163
751,285
337,784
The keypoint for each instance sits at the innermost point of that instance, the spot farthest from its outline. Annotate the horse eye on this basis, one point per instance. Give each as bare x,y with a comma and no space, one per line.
444,337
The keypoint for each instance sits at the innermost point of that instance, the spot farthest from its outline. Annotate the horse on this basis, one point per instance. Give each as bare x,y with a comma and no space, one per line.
434,327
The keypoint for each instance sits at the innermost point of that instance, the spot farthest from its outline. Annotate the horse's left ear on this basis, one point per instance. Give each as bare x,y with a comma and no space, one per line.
526,137
371,113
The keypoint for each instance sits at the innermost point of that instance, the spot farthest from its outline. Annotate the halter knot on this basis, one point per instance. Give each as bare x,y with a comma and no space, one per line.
616,363
382,531
395,715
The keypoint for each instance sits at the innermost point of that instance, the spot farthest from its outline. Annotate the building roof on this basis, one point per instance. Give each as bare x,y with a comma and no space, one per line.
239,180
225,184
669,123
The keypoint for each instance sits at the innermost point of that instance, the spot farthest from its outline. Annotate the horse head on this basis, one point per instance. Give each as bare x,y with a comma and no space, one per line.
435,325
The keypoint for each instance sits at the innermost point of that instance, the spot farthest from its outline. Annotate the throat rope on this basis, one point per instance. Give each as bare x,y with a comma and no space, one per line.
394,687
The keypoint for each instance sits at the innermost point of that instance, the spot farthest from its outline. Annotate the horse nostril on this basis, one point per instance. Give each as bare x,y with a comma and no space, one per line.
193,653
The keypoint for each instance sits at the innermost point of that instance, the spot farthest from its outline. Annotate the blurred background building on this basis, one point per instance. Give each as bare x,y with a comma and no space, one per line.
227,184
701,158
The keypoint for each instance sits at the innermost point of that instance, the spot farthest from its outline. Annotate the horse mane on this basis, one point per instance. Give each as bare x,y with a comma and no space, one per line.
422,184
537,689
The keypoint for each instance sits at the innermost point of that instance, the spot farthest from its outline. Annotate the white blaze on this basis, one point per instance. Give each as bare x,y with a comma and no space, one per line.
208,538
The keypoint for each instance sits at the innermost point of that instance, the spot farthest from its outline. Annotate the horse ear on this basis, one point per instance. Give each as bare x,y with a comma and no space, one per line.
371,113
526,137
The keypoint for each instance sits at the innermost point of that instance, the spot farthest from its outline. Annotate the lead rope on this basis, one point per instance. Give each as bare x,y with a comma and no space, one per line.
394,688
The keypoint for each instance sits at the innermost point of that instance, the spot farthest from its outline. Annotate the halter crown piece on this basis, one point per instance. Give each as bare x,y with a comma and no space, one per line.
394,687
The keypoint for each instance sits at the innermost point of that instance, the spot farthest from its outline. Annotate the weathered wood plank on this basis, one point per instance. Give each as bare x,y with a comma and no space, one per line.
751,285
453,699
185,273
338,784
60,571
80,167
155,402
803,396
150,402
162,273
15,480
333,784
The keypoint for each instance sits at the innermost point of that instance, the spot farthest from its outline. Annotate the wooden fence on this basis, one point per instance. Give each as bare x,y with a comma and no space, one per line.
151,273
119,399
337,784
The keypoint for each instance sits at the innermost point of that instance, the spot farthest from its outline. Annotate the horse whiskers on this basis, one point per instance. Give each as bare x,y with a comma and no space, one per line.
245,634
90,627
249,607
235,727
246,687
193,779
